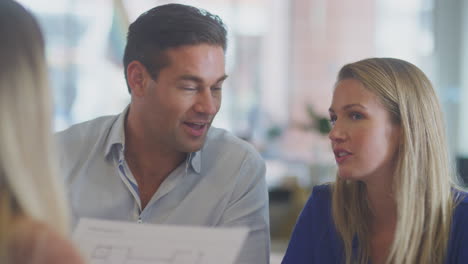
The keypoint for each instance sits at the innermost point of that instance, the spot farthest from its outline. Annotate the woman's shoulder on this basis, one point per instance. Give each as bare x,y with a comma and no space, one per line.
314,239
461,203
36,243
324,188
457,247
319,201
322,192
460,215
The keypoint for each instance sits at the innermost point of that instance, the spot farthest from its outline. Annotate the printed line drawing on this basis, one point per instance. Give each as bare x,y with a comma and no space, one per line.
109,254
114,242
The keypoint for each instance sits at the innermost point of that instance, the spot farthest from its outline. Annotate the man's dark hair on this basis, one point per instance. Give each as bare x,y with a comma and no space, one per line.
170,26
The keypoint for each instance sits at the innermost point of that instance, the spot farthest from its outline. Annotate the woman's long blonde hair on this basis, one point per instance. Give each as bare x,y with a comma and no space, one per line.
29,186
423,175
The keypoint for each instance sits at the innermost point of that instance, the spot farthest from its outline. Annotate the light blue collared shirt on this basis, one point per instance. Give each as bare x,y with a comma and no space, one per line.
223,184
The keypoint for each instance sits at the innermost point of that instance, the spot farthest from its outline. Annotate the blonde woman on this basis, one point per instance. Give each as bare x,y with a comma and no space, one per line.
394,199
33,216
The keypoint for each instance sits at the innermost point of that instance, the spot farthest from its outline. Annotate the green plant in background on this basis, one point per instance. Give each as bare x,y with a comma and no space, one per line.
320,124
316,122
274,132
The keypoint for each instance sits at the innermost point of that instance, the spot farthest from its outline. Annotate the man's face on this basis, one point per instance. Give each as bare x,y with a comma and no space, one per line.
181,103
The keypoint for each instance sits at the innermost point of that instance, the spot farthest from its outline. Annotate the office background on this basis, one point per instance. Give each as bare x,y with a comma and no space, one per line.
283,57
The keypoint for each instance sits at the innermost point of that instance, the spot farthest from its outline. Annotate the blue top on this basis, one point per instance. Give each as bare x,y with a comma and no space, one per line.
315,239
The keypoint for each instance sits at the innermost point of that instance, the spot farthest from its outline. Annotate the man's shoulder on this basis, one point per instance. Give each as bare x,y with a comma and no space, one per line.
222,140
83,140
85,131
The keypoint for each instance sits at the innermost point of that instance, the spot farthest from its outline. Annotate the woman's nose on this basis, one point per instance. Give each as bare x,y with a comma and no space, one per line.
336,133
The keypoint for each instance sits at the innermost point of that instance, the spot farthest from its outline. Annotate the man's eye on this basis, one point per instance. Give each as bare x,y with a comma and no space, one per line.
189,88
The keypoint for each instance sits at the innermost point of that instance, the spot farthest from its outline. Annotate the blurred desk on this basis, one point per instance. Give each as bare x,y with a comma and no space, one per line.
290,184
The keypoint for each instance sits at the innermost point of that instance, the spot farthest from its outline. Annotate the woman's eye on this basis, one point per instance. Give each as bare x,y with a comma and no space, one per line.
356,116
332,120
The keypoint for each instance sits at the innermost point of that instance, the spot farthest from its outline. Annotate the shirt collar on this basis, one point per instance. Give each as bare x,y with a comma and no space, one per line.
116,133
117,137
195,161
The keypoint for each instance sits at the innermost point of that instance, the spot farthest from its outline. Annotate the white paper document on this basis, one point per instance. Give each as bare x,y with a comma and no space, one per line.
110,242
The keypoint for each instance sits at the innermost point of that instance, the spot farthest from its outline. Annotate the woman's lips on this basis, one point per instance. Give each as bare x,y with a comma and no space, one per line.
341,155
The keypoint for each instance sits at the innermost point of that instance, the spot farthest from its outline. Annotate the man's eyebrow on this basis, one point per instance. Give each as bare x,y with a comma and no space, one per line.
196,79
346,107
192,78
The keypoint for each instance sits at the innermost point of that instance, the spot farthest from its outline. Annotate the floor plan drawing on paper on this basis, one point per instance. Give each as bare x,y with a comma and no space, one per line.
108,254
112,242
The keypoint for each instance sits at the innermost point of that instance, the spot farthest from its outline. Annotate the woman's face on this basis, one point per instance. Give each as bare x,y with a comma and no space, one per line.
363,137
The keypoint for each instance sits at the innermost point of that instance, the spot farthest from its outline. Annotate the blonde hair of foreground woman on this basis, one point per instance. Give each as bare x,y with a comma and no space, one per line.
32,199
423,175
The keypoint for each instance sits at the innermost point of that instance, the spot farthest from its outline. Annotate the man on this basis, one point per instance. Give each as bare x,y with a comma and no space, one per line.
159,161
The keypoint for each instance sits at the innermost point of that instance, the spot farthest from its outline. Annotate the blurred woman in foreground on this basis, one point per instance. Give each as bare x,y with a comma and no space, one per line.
33,214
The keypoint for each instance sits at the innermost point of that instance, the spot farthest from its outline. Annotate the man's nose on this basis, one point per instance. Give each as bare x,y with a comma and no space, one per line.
207,103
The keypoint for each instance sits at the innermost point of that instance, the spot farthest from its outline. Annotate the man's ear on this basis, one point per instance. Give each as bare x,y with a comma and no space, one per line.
137,78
